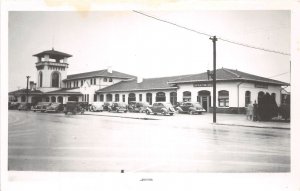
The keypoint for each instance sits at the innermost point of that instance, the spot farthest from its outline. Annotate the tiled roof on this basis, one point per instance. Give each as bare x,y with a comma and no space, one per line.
105,73
23,91
224,74
52,53
146,84
66,91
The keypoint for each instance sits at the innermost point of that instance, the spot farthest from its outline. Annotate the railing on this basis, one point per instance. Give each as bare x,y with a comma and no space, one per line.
47,63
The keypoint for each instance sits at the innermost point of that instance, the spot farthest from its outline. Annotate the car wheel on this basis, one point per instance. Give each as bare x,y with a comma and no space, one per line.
164,112
125,111
171,114
117,111
191,112
148,112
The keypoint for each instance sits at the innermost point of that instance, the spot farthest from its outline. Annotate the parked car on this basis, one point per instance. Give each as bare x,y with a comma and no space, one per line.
54,107
96,106
74,107
13,105
138,107
24,106
191,108
40,106
160,108
106,105
118,107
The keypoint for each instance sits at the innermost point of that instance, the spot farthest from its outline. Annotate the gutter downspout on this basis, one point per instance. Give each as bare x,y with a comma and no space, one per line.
238,96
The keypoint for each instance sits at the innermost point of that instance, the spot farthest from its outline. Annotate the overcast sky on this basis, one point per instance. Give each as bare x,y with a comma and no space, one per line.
134,44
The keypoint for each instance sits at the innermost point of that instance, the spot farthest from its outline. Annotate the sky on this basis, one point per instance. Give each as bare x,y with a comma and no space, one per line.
138,45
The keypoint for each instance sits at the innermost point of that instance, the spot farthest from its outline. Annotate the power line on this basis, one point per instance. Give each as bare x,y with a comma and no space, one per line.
279,74
206,34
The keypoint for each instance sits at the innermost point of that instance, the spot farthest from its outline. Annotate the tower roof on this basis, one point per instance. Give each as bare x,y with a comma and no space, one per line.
53,54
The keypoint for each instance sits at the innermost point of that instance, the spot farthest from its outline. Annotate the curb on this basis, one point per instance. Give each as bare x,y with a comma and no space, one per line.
270,127
141,118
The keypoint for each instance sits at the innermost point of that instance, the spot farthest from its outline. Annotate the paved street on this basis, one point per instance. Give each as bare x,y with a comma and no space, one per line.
180,143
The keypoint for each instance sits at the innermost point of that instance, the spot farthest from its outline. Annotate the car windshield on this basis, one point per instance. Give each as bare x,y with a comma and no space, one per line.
168,105
121,104
197,105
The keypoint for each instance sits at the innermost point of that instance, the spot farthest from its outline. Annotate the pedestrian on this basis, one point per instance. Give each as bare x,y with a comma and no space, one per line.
255,111
249,111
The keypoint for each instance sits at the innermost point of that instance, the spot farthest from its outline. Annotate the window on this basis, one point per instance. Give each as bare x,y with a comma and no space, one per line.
247,98
110,80
91,81
23,98
273,95
76,83
40,79
131,97
53,99
47,99
95,97
55,79
94,81
123,97
140,97
117,98
88,100
105,79
160,96
108,97
101,97
223,98
81,82
187,95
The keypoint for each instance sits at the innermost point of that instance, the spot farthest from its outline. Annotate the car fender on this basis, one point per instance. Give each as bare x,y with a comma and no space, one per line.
164,110
179,109
192,109
149,109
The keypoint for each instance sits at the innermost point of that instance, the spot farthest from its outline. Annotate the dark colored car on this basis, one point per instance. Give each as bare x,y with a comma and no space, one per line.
24,106
13,105
74,107
106,105
55,107
191,108
138,107
118,107
40,106
160,108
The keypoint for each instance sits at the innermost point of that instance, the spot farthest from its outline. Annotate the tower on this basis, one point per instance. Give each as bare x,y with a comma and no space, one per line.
51,68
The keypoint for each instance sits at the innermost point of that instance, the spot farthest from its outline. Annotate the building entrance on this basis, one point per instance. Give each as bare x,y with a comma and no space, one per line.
204,99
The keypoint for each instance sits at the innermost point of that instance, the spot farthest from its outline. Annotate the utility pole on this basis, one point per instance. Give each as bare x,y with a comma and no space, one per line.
27,89
214,39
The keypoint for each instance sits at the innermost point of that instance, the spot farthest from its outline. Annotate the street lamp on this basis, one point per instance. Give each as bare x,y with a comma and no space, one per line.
27,88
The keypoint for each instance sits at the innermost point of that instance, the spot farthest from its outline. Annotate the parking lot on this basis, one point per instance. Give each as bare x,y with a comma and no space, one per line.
136,142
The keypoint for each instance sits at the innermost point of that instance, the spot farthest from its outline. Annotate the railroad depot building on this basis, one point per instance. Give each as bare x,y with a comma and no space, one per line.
235,89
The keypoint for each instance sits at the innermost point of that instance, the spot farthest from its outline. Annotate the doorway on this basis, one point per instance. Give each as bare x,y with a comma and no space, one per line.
204,99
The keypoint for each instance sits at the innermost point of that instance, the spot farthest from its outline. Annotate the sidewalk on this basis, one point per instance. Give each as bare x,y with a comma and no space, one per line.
222,119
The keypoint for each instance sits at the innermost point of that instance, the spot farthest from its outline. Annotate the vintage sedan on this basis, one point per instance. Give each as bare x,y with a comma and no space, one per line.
191,108
106,105
138,107
24,106
41,106
96,106
118,107
74,108
160,108
13,105
54,107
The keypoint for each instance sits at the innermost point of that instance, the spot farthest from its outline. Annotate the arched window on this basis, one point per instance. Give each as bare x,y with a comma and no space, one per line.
223,98
173,98
41,79
160,97
47,99
23,98
60,99
117,98
131,97
187,95
247,98
108,97
55,79
101,97
149,98
95,97
53,99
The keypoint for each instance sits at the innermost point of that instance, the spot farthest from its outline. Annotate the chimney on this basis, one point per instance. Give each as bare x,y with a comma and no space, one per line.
31,84
109,69
139,79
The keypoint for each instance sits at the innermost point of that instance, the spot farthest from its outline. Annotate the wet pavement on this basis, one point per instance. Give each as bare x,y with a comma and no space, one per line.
106,142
